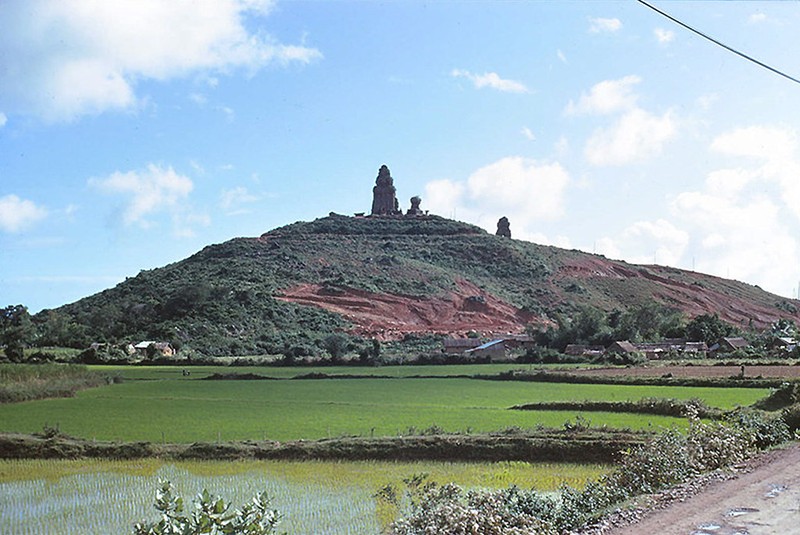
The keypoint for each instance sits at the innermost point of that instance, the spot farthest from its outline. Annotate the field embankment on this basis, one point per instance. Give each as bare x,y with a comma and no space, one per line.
587,446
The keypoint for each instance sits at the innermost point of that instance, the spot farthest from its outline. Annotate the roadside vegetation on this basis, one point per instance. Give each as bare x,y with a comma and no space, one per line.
667,459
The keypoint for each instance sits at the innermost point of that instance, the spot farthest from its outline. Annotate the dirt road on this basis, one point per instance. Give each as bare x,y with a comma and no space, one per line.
763,499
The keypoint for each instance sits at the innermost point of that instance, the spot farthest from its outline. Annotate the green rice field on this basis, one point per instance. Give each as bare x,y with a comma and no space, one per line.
79,497
180,410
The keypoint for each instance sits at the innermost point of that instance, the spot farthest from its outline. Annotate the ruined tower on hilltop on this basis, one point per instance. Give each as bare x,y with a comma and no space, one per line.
503,227
384,194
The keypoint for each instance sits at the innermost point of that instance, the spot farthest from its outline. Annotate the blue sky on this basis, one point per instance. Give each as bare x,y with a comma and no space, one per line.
134,133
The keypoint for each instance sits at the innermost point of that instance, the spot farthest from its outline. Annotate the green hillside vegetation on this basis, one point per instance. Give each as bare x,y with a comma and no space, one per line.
223,300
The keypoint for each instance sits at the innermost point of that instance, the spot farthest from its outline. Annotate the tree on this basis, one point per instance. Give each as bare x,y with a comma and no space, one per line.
708,328
16,331
648,322
335,345
209,515
58,329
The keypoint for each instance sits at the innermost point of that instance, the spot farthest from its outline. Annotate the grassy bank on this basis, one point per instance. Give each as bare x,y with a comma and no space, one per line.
25,382
579,446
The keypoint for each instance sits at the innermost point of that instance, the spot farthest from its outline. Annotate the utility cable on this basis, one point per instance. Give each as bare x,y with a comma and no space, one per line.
723,45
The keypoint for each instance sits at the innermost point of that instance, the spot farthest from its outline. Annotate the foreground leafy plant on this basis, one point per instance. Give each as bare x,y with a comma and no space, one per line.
209,515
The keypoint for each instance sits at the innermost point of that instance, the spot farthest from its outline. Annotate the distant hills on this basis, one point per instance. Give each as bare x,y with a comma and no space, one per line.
387,277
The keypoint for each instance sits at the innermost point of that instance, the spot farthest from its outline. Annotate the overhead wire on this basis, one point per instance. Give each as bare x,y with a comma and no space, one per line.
717,42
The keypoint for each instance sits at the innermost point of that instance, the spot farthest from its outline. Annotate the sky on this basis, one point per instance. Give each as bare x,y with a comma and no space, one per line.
133,133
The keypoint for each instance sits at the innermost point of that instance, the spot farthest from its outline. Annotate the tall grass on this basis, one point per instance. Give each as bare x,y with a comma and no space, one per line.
25,382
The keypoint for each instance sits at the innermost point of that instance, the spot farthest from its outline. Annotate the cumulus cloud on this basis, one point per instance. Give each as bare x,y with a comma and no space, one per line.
522,189
234,201
741,224
528,133
635,134
664,36
18,214
608,96
647,242
491,80
148,194
66,59
602,25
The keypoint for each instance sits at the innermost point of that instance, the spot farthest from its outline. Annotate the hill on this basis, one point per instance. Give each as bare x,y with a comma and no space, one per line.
386,277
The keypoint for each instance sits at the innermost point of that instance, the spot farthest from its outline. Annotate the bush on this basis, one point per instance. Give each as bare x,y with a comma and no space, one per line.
766,430
717,444
209,515
449,509
791,417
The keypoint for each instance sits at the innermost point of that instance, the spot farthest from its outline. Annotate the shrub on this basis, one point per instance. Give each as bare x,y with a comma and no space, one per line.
717,444
783,396
765,430
449,509
209,515
791,417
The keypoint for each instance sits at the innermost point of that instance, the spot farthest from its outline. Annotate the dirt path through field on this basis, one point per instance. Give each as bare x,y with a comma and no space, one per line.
763,500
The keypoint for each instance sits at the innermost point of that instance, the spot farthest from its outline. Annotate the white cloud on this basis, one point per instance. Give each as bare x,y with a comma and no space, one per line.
491,80
524,190
608,96
744,219
636,136
664,36
148,193
757,18
601,25
3,119
199,99
184,223
19,214
66,59
230,115
772,144
647,242
528,133
233,200
561,56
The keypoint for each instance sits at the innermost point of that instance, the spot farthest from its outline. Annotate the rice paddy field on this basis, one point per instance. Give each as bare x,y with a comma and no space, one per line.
162,404
184,411
323,498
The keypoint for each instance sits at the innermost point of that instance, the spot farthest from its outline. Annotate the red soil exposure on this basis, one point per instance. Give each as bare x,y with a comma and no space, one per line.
390,317
695,294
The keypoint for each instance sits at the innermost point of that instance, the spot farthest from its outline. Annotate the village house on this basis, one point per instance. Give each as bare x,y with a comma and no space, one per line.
670,346
494,350
622,347
457,346
163,349
728,344
583,350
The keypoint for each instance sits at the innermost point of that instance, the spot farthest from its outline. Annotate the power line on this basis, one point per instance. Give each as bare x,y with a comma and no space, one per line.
723,45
